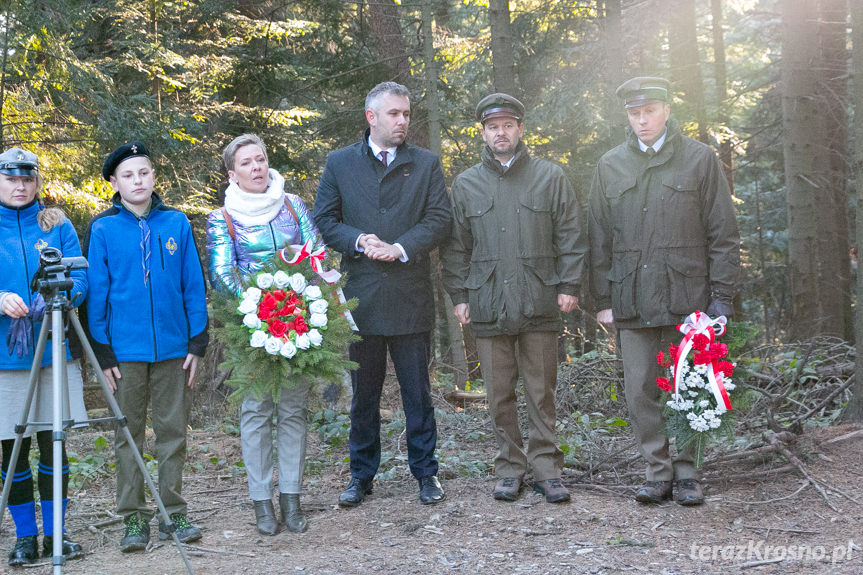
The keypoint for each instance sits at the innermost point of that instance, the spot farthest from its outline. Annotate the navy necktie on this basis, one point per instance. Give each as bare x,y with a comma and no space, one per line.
384,157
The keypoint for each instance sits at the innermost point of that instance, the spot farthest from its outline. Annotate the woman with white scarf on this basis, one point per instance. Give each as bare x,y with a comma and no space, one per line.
258,220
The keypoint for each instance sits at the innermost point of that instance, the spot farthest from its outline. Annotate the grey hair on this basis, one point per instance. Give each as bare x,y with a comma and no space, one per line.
383,89
246,139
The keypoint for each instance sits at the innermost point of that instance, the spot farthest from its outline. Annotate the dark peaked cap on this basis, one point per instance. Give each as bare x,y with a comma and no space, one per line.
643,90
499,105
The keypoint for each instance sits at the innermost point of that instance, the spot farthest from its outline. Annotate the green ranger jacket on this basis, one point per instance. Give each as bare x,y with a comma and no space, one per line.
663,237
518,240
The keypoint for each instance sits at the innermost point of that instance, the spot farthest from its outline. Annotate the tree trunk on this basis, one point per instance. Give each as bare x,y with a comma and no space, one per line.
683,57
725,150
3,75
854,410
811,206
833,104
387,35
502,56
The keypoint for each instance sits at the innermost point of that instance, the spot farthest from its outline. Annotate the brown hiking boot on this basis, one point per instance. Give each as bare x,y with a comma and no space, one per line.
654,492
689,492
507,489
553,490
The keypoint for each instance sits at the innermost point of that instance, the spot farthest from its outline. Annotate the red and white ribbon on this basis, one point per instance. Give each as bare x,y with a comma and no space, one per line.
316,259
701,323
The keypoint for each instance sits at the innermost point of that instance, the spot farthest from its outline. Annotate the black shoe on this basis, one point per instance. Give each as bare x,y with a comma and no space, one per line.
292,513
265,517
25,551
186,532
71,550
137,535
653,492
355,492
430,490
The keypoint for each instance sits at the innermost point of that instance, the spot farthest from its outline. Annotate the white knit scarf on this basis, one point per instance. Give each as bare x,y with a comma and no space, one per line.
256,209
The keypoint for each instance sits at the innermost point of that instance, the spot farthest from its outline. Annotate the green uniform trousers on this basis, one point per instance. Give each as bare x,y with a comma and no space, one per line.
164,383
536,360
639,347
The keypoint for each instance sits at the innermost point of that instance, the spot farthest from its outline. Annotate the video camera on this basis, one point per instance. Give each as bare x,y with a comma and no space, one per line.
53,273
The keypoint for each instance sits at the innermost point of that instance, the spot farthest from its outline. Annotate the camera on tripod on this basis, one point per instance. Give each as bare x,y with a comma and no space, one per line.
53,273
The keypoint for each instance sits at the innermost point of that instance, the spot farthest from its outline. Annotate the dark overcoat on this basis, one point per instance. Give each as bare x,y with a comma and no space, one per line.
404,203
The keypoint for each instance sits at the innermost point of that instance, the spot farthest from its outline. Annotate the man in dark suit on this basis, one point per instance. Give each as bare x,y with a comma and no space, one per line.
382,203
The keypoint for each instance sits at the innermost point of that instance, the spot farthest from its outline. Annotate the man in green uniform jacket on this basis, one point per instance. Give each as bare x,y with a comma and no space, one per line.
514,262
664,243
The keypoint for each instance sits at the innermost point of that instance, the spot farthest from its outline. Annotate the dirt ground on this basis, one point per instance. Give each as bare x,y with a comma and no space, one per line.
750,524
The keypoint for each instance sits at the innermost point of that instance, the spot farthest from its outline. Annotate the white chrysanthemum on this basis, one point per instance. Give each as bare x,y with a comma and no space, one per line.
703,403
701,368
288,350
264,281
692,393
728,385
281,279
253,294
247,306
319,305
315,337
273,345
720,409
690,416
684,369
303,341
714,423
298,283
252,321
258,339
318,319
709,414
313,292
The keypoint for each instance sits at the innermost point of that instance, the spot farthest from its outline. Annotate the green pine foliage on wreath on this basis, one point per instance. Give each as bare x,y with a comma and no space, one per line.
256,372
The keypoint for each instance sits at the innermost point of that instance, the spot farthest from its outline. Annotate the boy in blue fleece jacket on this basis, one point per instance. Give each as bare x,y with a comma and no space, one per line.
147,317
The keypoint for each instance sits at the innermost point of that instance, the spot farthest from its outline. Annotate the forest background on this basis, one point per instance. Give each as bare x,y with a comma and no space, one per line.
768,83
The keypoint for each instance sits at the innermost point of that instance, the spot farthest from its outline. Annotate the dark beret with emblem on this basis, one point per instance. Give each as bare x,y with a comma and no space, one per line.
499,105
644,90
120,155
18,162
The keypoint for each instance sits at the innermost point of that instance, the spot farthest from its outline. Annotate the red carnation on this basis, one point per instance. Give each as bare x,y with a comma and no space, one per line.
660,359
700,341
673,350
703,357
300,325
278,328
719,349
663,383
280,294
726,367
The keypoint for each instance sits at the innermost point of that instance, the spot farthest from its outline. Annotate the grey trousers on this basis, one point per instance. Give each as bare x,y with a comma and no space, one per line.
639,347
536,360
164,383
256,438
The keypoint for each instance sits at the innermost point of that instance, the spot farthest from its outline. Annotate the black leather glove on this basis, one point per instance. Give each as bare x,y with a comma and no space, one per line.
720,305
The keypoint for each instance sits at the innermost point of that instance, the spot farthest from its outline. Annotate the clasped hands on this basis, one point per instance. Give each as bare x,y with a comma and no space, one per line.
377,249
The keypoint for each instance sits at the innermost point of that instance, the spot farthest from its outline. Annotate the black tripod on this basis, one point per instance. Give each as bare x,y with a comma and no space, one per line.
53,282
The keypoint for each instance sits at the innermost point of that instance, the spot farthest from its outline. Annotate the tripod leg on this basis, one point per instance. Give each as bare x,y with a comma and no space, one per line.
121,420
58,369
22,419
